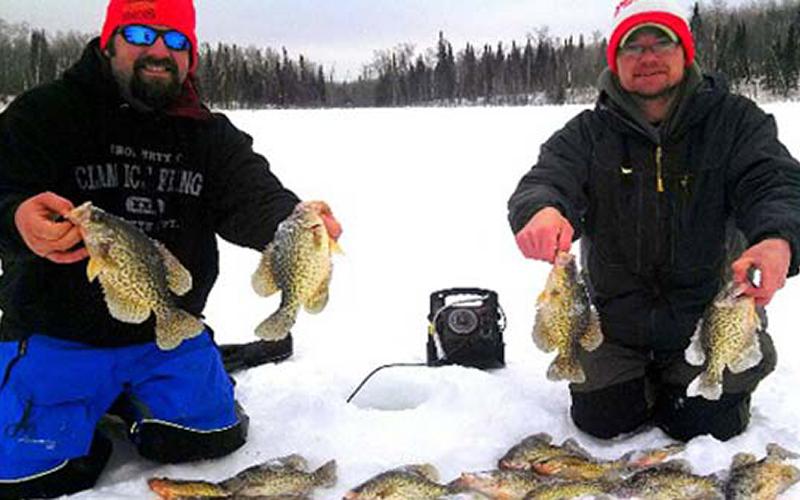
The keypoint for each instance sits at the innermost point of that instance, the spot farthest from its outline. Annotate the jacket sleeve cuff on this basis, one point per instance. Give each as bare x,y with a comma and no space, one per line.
10,239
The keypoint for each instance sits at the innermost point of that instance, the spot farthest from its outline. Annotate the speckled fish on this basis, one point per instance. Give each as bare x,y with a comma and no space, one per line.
407,482
565,320
500,484
285,477
763,479
669,481
726,337
298,264
138,275
571,489
571,461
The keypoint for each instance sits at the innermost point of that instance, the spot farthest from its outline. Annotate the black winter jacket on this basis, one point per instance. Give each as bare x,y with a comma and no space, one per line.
656,207
183,176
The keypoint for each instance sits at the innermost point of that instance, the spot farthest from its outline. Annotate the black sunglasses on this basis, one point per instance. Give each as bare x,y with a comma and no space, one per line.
145,36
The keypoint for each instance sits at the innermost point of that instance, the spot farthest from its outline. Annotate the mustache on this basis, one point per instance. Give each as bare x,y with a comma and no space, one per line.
165,63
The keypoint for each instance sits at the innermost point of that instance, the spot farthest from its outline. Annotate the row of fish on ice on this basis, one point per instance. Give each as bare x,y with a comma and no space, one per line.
532,469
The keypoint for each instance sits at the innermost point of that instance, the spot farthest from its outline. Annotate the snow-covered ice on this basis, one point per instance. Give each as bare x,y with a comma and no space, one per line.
421,195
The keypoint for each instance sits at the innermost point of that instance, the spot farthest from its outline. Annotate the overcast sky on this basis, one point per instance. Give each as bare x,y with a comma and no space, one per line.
343,34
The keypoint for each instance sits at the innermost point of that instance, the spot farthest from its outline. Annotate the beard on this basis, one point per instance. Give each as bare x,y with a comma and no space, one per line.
666,92
155,93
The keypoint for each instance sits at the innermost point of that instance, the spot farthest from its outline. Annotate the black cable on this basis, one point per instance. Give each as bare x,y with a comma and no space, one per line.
376,370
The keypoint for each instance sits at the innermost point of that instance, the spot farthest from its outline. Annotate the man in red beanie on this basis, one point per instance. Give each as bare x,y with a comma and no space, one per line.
123,128
675,187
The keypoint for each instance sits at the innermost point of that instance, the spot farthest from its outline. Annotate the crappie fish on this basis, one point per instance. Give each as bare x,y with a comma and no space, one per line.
565,320
169,489
500,484
138,275
285,477
764,479
726,337
669,481
570,489
403,483
571,461
298,264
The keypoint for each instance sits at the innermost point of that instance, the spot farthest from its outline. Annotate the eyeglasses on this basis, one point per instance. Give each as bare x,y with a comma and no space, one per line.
145,36
659,49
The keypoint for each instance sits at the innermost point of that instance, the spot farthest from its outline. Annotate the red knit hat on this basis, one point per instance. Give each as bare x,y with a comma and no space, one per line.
666,14
177,14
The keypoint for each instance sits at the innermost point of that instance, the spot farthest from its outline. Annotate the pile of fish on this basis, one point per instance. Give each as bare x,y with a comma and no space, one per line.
565,320
533,469
298,264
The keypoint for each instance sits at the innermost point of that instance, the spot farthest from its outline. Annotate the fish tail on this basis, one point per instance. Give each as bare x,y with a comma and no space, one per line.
325,476
593,336
705,385
277,326
174,325
566,368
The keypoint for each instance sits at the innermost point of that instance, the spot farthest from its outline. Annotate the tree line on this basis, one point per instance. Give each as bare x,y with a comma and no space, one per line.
756,46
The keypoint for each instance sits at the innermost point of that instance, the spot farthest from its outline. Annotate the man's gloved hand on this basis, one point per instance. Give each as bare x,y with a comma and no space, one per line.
36,222
547,233
772,258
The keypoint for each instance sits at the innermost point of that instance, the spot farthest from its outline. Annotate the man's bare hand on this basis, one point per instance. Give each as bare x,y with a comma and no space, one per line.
547,233
772,258
36,221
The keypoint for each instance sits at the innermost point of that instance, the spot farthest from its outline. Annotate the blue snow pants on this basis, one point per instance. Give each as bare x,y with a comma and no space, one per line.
53,393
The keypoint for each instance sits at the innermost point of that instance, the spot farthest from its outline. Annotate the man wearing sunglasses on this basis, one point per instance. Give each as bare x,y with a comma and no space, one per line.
673,185
123,128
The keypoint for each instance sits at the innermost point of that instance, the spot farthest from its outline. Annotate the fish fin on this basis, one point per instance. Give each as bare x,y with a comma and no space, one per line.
263,280
593,336
277,326
541,336
325,476
319,299
335,247
294,461
94,268
122,309
654,457
541,437
173,326
575,448
704,385
748,358
179,279
566,368
428,471
742,459
777,452
695,355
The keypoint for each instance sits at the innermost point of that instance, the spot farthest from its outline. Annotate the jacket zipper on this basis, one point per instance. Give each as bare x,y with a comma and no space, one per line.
659,169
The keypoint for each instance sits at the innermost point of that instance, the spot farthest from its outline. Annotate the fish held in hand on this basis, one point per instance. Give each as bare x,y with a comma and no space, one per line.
565,320
298,264
726,337
138,275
